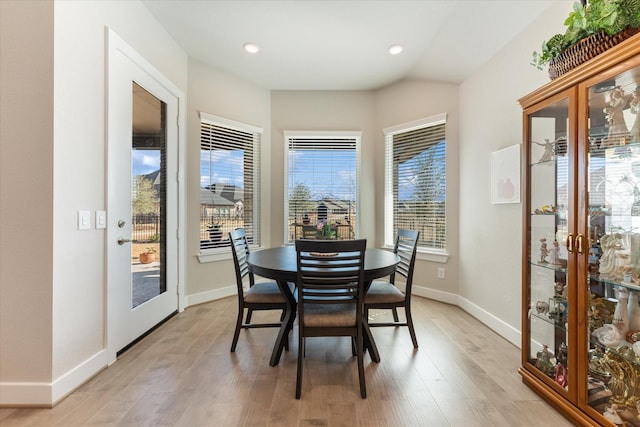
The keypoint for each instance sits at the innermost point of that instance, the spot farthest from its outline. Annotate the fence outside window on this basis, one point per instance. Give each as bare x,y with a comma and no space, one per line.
145,228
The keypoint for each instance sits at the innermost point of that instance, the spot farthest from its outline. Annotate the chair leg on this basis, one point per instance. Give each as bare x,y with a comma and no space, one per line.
299,374
354,346
249,313
286,337
395,314
407,312
360,355
236,334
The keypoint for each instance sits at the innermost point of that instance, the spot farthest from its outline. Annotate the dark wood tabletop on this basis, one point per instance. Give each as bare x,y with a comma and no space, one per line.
280,264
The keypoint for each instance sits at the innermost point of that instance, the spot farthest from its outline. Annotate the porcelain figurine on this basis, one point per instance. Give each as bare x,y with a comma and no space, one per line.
546,361
618,131
633,310
611,414
608,335
611,244
544,251
549,150
621,314
542,307
554,254
635,109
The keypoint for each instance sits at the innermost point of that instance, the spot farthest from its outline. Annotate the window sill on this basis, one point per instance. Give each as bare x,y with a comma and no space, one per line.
205,257
432,255
219,255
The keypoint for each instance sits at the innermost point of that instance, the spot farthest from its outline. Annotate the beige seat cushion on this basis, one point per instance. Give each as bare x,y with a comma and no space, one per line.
329,315
383,292
264,292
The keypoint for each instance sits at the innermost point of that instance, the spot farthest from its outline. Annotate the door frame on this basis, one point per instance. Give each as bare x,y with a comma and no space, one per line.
116,45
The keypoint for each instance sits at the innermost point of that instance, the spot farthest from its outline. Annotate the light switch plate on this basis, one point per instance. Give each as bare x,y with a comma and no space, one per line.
84,220
101,219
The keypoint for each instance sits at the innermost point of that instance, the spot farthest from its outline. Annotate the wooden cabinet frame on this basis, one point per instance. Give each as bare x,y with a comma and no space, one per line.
574,88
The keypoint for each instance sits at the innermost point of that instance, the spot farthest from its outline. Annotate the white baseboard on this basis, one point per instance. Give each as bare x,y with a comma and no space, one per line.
446,297
202,297
506,331
49,394
497,325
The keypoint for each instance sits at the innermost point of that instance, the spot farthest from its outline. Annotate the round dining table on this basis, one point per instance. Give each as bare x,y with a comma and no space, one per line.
280,264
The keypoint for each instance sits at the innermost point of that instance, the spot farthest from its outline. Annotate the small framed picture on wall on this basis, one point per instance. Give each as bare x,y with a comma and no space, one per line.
505,175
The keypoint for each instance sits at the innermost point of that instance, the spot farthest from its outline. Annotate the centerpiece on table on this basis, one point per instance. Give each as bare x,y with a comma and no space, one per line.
327,230
591,29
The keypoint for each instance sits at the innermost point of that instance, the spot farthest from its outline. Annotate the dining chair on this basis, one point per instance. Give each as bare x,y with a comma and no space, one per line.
258,296
385,294
309,231
330,288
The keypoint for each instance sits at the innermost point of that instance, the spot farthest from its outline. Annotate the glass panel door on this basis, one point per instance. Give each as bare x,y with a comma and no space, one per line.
148,159
143,143
549,226
613,225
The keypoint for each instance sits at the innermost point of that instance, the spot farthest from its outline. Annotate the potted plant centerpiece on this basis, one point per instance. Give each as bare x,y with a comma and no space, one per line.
592,28
327,231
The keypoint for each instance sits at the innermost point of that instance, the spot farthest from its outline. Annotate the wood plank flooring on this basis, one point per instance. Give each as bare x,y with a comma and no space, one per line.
183,374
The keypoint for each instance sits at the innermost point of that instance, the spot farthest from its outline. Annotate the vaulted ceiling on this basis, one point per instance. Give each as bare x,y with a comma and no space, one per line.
343,44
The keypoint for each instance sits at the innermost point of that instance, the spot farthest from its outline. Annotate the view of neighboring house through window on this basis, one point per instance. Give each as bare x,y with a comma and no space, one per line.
229,180
415,184
322,184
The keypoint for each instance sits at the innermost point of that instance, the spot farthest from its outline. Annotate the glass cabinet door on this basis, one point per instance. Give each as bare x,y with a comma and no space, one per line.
613,261
549,205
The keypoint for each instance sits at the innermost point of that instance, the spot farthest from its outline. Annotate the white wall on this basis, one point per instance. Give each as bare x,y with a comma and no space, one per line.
404,102
55,306
79,161
215,92
324,111
79,134
491,119
26,191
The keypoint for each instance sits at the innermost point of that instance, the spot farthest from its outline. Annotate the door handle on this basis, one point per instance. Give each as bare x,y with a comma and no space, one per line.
579,239
122,241
569,243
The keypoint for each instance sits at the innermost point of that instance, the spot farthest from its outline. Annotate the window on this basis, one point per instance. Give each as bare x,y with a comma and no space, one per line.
229,181
322,184
415,183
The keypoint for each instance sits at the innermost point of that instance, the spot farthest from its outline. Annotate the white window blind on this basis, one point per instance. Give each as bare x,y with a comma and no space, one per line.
415,187
322,184
229,181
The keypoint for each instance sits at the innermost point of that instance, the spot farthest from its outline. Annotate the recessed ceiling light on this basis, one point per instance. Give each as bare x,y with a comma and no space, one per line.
251,48
395,49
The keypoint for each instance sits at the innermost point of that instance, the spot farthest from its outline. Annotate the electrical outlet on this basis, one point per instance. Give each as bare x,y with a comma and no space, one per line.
440,272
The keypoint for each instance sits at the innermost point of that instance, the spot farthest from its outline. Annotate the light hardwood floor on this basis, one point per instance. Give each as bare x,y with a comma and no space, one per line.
183,374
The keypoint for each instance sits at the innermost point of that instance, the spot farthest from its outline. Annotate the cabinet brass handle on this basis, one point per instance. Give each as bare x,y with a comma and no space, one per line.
569,243
579,239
